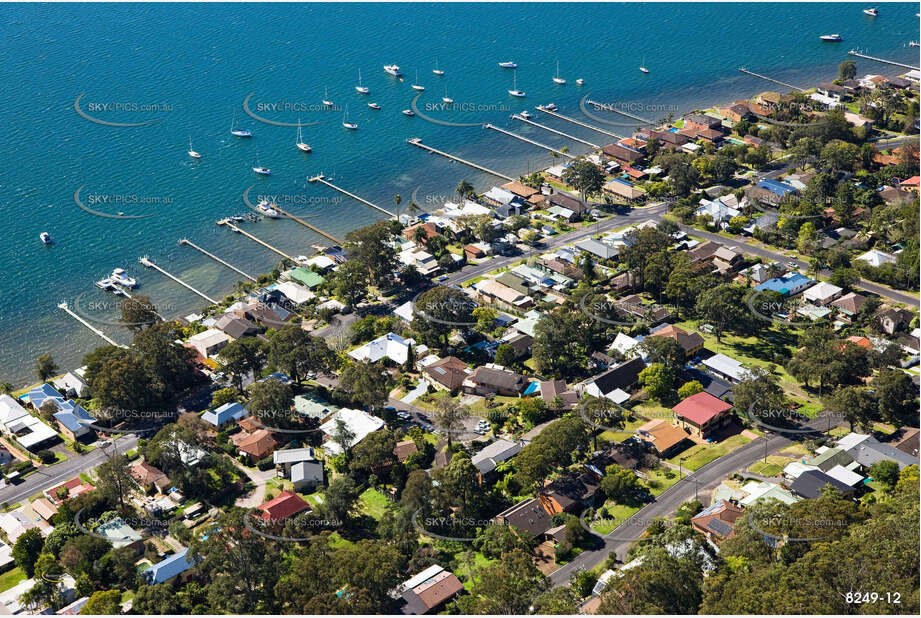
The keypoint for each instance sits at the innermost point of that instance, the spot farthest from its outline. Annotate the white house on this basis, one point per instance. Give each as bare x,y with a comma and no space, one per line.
209,342
877,258
390,346
358,422
28,430
726,367
295,292
822,293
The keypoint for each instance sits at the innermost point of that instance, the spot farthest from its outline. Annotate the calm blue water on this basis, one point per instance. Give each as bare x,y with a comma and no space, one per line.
196,64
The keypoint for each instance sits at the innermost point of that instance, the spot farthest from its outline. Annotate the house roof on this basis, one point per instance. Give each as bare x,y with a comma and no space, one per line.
449,371
848,477
146,474
622,376
293,455
73,416
821,291
597,248
499,378
528,515
830,458
569,490
44,508
519,189
688,341
663,435
726,366
622,152
850,303
40,394
493,454
168,568
258,444
360,423
870,451
429,589
232,410
306,471
305,277
284,505
810,484
404,449
718,518
700,408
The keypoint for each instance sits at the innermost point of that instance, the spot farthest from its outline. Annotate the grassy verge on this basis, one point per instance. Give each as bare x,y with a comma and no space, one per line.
11,578
700,455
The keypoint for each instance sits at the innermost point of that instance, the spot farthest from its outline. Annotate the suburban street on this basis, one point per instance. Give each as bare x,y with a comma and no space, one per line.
704,479
47,477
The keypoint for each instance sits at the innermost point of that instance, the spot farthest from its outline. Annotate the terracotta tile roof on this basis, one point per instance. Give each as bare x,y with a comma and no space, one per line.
258,444
700,408
283,506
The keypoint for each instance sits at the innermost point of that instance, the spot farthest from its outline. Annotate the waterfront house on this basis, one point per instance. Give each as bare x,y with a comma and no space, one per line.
702,414
428,591
29,431
294,293
423,231
209,342
622,154
736,112
489,381
235,326
303,276
669,139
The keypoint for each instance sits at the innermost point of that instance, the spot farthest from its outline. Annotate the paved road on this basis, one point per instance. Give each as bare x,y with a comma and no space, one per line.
707,477
47,477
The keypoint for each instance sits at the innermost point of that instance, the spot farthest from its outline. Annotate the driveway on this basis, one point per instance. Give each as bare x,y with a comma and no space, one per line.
259,478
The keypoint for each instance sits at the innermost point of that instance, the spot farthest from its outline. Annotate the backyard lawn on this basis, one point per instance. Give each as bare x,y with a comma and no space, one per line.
700,455
617,513
374,503
774,465
11,578
662,478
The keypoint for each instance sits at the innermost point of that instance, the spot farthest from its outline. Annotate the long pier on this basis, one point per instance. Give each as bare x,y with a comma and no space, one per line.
186,241
613,108
307,225
854,52
771,79
546,128
530,141
150,264
417,141
253,238
541,108
106,338
321,178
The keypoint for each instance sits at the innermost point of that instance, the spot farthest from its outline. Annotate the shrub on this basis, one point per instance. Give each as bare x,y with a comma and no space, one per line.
265,463
47,457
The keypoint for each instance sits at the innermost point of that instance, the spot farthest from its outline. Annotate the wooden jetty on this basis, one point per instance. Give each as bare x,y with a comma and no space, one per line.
546,128
550,112
854,52
771,79
613,108
106,338
236,229
186,241
146,261
417,141
529,141
320,178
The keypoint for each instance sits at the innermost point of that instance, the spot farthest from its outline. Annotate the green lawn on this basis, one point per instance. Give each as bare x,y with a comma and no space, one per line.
336,541
374,503
617,513
700,455
11,578
467,572
774,465
621,435
662,479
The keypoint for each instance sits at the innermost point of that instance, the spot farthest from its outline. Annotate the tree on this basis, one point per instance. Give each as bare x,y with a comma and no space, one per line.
350,282
364,384
171,364
27,549
45,367
242,357
417,493
664,350
584,176
619,483
847,70
896,395
297,353
340,499
270,401
856,404
690,388
138,312
759,394
371,247
658,380
556,601
449,414
563,341
222,396
374,454
439,311
505,587
886,472
505,355
115,480
723,307
103,602
463,189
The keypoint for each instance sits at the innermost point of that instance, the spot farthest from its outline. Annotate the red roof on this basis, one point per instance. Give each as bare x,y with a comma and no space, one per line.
284,506
700,408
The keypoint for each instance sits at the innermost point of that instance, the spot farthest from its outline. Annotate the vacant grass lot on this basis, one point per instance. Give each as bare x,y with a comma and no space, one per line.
700,455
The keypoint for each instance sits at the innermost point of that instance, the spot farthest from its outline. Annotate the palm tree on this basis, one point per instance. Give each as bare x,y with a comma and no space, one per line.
413,208
397,199
463,189
815,265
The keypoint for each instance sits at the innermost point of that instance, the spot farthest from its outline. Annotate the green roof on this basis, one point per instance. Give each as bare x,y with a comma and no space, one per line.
829,459
305,277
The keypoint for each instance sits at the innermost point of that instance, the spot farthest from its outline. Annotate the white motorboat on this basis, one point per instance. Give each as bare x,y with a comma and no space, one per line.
239,132
508,65
392,69
408,112
580,81
514,91
914,44
46,238
120,277
525,114
346,123
374,105
643,66
106,284
192,152
556,78
301,145
436,70
551,106
416,85
326,100
268,210
361,89
831,37
872,12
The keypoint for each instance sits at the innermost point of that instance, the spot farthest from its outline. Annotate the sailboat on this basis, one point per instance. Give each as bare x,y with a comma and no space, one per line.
580,81
417,85
436,70
301,145
643,66
556,78
326,100
446,98
359,88
514,91
238,132
260,169
192,152
351,126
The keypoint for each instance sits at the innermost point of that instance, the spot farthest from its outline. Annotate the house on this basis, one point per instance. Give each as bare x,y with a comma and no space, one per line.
692,343
492,291
428,232
625,345
717,520
209,342
701,121
447,373
622,154
304,276
294,292
119,533
736,112
390,346
876,258
663,437
569,494
149,477
849,304
906,440
891,319
751,140
43,393
168,568
429,590
521,190
846,476
228,413
617,453
552,391
772,192
286,458
811,484
527,516
15,524
789,284
622,282
488,381
597,248
492,455
559,198
911,184
719,210
763,490
726,367
669,139
476,251
621,188
73,421
702,413
284,505
617,382
257,444
72,384
404,449
235,326
44,508
29,431
870,451
359,423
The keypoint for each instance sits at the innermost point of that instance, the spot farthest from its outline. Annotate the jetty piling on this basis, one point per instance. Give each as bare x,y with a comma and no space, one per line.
307,225
106,338
417,141
186,241
771,79
253,238
546,128
550,112
150,264
854,52
320,178
529,141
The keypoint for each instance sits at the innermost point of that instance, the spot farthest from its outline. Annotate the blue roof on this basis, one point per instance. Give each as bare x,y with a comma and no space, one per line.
168,568
787,284
70,415
777,187
229,411
40,394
